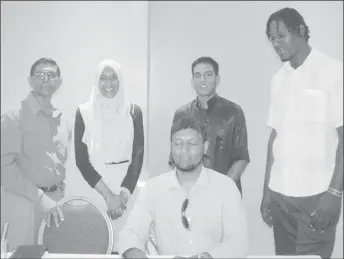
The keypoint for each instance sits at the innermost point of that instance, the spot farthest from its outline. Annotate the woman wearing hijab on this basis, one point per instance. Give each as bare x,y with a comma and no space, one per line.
109,144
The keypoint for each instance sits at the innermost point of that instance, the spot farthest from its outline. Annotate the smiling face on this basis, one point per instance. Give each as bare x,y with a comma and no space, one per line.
108,82
285,42
204,80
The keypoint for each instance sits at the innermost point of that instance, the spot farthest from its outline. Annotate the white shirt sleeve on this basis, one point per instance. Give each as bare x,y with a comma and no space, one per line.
234,243
135,233
336,99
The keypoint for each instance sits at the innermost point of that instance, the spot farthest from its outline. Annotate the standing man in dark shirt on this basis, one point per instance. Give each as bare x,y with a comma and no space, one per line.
224,121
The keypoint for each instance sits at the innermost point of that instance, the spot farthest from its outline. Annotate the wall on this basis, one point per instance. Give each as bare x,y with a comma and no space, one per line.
233,33
77,35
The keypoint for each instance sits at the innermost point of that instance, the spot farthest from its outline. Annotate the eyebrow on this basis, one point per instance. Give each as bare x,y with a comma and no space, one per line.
205,72
188,139
114,75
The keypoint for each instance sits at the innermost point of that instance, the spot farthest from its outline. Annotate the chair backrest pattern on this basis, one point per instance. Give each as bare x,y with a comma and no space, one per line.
86,229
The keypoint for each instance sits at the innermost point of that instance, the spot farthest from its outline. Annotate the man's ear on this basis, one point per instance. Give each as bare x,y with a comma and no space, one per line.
29,79
192,83
206,146
302,30
58,81
218,79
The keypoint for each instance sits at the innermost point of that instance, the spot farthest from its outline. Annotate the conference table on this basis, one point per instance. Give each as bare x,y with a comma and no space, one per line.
50,255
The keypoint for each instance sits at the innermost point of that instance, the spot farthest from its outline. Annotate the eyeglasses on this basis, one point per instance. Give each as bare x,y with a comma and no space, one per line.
50,76
185,220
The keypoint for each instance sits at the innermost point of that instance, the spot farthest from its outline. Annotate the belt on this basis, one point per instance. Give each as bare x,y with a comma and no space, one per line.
116,163
51,188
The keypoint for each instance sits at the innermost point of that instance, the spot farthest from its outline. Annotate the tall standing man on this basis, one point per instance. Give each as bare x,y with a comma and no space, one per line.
304,172
34,142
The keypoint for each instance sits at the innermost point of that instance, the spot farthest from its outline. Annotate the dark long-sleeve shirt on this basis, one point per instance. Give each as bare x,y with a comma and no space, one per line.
82,157
226,131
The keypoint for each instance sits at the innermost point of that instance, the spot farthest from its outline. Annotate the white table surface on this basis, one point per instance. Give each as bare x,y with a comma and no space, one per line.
49,255
285,256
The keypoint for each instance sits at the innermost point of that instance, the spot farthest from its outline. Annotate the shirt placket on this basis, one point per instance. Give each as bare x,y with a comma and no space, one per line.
52,132
191,238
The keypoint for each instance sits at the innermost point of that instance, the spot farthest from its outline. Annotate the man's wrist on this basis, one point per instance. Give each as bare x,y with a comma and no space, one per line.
335,192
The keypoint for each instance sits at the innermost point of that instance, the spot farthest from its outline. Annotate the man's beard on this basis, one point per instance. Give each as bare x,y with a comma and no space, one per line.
189,168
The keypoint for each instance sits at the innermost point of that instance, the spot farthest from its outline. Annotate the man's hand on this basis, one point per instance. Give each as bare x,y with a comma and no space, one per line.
51,210
326,212
134,253
265,208
115,206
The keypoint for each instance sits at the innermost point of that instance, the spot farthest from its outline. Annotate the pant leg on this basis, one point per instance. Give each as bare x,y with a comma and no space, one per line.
311,242
292,233
18,211
284,225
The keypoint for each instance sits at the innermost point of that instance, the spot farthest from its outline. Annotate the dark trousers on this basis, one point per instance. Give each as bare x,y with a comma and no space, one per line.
292,233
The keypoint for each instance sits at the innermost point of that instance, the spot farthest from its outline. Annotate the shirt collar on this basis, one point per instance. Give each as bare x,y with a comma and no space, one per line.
310,59
35,107
202,180
211,103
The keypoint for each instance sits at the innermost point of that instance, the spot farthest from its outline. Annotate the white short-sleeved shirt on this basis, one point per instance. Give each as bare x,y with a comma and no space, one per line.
305,110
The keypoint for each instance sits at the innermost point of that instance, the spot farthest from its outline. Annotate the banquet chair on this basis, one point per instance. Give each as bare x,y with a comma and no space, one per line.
86,229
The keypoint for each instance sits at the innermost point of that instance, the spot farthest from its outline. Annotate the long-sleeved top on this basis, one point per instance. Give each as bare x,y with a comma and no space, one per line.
34,145
86,168
226,131
216,214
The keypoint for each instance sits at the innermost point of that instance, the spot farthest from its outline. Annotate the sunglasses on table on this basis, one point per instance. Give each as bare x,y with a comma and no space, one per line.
185,220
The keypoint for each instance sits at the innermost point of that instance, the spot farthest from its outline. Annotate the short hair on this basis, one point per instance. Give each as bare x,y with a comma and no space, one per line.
44,61
291,18
206,60
188,123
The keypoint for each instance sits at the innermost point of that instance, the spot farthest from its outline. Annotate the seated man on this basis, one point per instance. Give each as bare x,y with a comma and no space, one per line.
195,211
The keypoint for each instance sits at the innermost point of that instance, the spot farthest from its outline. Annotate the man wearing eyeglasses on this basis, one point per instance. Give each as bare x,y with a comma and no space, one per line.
194,210
34,142
224,121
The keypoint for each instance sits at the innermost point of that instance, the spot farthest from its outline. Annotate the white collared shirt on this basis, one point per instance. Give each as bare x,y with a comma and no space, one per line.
215,211
306,108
